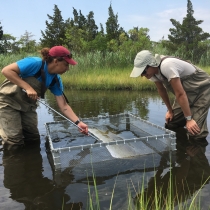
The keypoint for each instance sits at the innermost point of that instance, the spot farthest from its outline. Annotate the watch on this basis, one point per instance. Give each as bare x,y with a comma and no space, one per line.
77,122
188,118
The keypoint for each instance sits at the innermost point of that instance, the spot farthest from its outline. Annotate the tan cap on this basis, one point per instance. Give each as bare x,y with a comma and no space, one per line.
143,59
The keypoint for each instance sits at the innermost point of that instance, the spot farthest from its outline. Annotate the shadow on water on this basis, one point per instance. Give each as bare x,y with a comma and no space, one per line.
23,177
185,177
28,182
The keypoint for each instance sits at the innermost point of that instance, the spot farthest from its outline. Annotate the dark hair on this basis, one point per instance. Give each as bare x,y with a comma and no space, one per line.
46,57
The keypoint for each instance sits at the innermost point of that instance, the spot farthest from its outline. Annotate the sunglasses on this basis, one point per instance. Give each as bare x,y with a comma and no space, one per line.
145,70
68,56
60,58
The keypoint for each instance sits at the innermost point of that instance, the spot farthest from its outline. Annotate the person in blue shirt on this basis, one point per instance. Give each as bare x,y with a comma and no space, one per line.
18,117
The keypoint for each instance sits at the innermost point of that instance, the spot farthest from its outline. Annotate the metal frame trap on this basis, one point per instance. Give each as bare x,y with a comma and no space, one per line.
121,136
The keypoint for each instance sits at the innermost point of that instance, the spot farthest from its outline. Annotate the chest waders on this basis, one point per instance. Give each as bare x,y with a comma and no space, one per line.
18,117
197,88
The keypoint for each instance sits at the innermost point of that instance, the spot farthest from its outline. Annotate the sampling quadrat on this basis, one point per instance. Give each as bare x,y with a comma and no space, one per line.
122,138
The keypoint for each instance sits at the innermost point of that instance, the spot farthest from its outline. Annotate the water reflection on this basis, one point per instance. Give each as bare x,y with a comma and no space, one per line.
23,177
94,103
178,183
28,178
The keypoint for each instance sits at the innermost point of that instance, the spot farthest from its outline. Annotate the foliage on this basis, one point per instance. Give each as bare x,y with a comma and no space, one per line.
186,37
1,32
1,35
55,31
81,32
28,44
96,71
6,44
113,30
83,37
137,40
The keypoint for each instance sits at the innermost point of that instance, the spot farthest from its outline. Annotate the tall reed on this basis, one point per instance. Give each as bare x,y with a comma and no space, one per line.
97,71
155,198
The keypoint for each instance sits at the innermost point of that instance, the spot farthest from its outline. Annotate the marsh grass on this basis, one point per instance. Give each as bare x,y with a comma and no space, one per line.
105,79
158,201
97,71
155,197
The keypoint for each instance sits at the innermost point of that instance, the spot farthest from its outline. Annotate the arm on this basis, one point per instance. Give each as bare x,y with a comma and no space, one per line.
182,99
11,72
69,113
164,95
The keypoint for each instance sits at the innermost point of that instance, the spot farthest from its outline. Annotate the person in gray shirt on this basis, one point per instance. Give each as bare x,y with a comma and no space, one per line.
189,84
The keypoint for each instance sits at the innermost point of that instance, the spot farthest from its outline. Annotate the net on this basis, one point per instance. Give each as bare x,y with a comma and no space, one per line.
123,138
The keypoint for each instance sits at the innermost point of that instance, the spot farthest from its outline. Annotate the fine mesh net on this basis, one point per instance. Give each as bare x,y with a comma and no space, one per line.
123,139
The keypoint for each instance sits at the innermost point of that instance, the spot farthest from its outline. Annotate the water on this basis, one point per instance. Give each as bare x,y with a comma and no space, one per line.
27,180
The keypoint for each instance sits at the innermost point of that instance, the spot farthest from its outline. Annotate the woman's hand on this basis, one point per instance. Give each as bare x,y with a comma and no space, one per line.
192,127
84,127
169,116
32,93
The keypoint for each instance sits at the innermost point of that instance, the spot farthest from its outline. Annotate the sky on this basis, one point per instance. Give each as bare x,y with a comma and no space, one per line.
19,16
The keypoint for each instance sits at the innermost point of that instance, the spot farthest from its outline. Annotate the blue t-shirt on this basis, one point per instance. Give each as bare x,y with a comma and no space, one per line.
31,65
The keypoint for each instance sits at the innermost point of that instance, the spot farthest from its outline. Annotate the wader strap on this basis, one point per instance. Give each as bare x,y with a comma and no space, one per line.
42,74
161,63
43,86
55,80
170,57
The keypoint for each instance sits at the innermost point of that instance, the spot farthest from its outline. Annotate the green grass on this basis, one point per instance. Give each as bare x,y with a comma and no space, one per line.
153,197
105,79
96,72
172,192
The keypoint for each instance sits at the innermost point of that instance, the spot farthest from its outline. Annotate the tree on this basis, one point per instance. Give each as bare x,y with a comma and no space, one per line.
55,31
8,43
28,44
91,27
99,43
186,36
1,31
113,29
81,32
79,19
75,33
1,35
137,40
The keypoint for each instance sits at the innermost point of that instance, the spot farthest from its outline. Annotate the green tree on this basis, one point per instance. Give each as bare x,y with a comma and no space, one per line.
113,29
99,43
28,44
55,30
136,40
75,32
79,19
91,27
81,32
185,37
8,43
1,31
1,35
74,36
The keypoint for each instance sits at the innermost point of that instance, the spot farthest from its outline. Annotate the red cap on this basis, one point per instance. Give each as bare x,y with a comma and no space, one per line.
60,51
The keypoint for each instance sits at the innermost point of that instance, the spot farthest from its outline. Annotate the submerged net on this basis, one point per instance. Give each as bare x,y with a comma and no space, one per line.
123,140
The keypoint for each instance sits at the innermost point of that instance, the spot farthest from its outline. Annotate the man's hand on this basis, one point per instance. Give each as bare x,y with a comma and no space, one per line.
192,127
169,116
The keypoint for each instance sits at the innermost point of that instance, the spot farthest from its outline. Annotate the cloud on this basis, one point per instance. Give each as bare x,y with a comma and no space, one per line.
203,14
159,23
